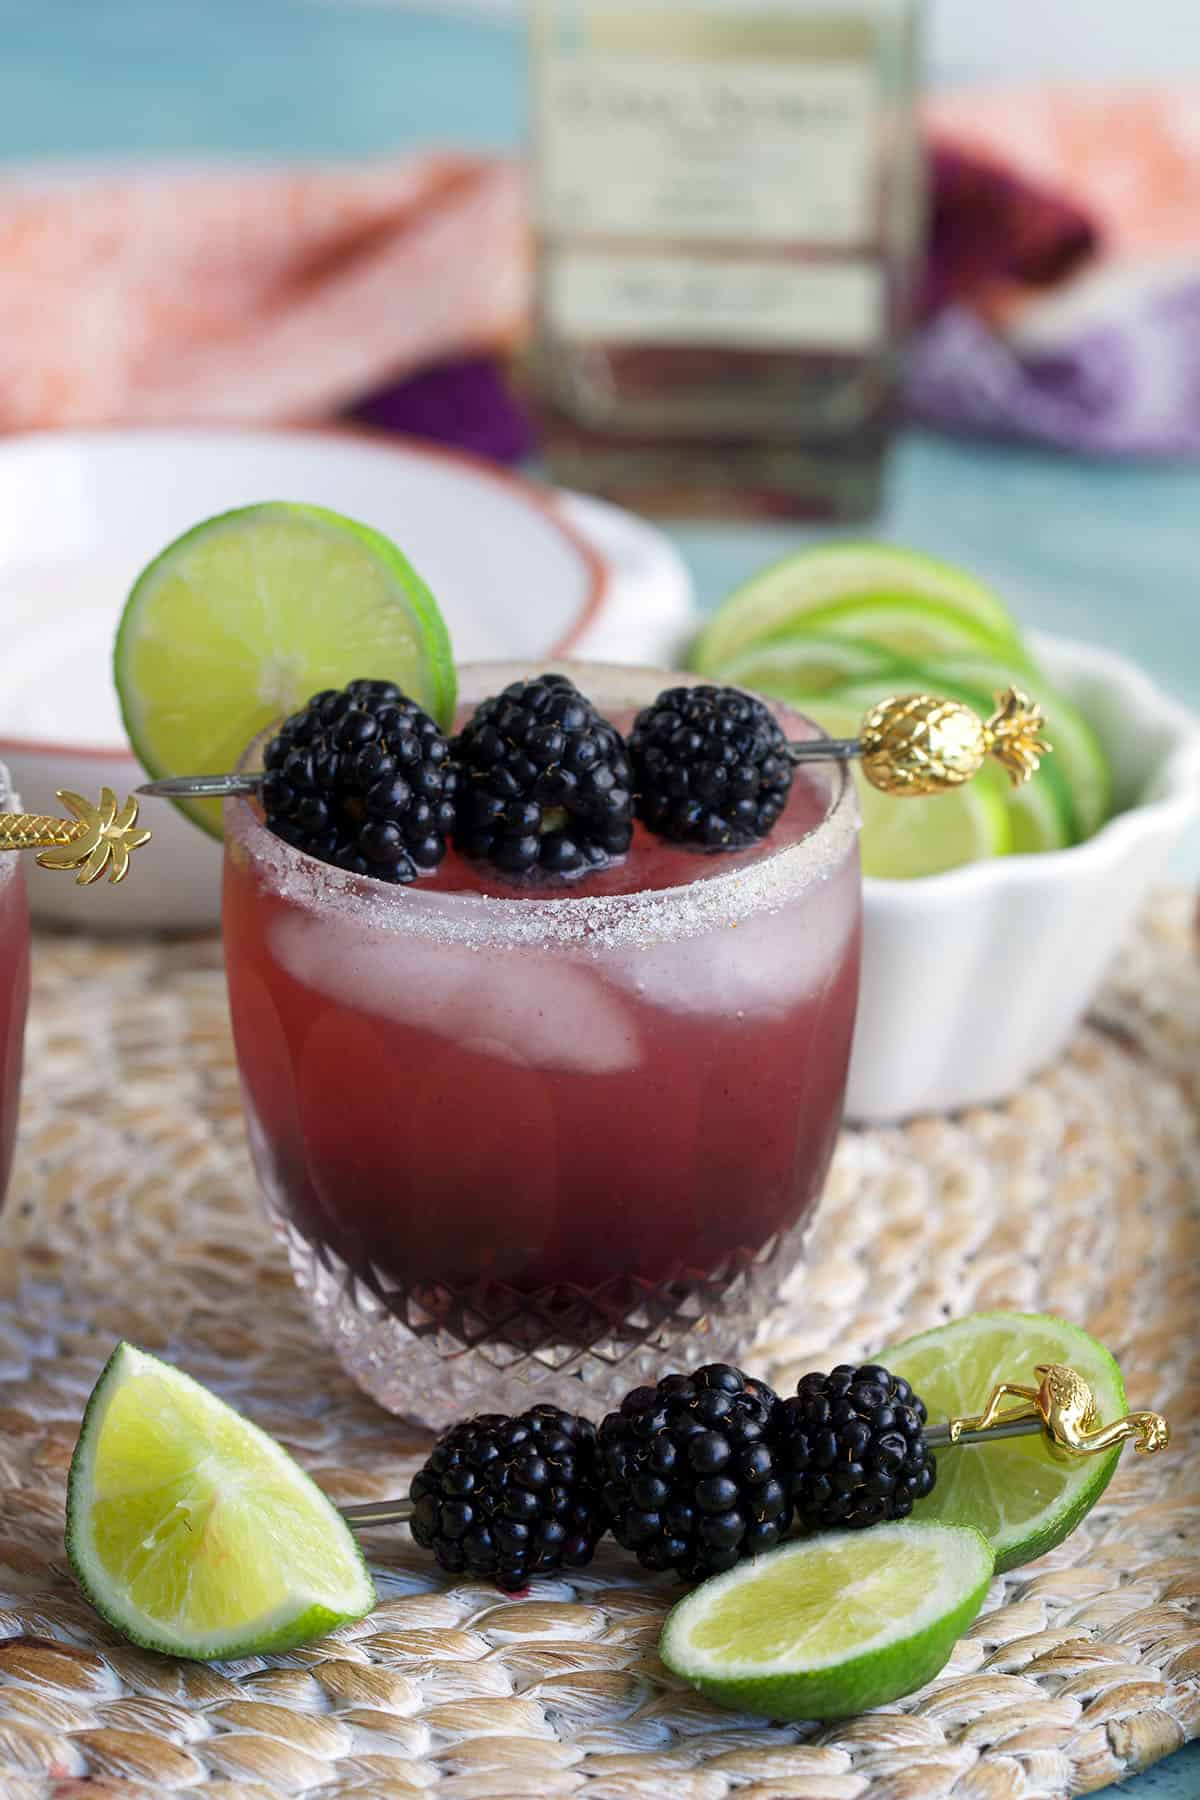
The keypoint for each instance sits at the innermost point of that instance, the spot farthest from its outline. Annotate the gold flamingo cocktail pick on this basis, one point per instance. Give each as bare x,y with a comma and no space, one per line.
912,744
1061,1408
94,839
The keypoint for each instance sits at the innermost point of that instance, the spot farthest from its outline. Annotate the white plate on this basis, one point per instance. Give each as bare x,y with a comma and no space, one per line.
519,571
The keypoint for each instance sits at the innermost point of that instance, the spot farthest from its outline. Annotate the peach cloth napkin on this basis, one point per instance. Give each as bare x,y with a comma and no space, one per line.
249,293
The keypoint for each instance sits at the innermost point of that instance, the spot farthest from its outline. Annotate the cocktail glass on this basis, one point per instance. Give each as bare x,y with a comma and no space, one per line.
14,988
538,1144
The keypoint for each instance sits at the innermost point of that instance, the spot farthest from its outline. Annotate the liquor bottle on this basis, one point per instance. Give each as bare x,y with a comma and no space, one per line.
728,213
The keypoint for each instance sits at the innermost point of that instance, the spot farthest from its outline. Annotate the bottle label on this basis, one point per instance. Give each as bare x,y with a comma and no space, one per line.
641,297
704,149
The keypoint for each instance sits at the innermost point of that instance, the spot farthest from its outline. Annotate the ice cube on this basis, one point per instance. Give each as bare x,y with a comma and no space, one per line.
761,966
537,1008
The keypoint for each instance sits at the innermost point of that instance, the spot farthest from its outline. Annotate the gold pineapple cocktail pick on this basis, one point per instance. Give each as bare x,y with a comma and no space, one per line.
917,744
909,745
94,839
1060,1407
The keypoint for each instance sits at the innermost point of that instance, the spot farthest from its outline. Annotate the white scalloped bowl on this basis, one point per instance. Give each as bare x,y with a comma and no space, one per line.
974,980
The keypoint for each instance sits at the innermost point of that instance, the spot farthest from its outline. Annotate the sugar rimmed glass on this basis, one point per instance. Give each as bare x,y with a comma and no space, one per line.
14,988
542,1146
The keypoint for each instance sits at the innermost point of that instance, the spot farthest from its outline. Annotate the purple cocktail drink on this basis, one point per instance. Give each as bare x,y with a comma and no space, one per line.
529,1141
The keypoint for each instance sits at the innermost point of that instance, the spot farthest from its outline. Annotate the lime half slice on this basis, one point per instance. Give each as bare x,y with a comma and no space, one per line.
906,838
192,1532
1023,1497
903,602
832,1624
237,622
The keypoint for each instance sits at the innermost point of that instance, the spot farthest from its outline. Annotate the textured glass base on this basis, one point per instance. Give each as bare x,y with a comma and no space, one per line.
435,1357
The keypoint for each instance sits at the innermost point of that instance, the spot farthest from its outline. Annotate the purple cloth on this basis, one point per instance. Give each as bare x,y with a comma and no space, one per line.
1126,385
988,225
464,405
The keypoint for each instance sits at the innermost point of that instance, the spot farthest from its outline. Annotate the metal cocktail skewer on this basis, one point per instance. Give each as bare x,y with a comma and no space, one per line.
914,744
203,787
399,1512
1061,1408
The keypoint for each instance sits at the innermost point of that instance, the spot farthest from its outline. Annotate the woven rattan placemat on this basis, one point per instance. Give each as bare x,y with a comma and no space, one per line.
133,1213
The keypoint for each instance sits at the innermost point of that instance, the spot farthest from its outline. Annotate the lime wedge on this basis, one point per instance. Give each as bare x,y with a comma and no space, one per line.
830,1625
192,1532
903,838
806,663
904,602
1023,1497
237,622
1078,757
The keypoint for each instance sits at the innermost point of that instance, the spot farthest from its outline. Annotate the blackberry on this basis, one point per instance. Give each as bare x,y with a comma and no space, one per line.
361,777
691,1480
545,781
511,1497
711,767
852,1447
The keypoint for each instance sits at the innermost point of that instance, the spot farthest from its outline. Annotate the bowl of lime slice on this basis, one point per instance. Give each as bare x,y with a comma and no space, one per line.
992,913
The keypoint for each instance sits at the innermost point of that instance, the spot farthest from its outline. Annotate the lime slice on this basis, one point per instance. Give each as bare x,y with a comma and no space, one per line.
830,1625
906,838
804,664
192,1532
904,602
910,630
1078,755
1023,1497
237,622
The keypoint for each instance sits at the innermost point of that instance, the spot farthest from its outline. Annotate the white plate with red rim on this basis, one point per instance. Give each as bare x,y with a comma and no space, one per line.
519,570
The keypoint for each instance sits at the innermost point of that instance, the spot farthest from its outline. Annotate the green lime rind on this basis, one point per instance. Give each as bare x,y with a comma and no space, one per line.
275,1527
1077,756
238,621
806,663
899,599
1018,1492
833,1652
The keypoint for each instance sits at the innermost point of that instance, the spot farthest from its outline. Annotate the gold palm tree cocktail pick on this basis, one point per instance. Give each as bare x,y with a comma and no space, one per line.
93,840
